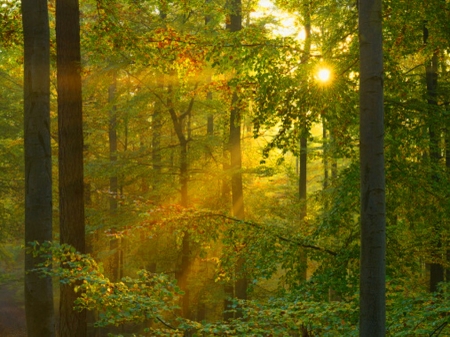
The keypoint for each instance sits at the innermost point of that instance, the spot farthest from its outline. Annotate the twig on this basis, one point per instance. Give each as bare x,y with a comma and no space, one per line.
282,238
439,329
166,324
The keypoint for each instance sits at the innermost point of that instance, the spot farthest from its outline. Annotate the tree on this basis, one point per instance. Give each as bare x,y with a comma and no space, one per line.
70,137
431,75
373,212
38,163
234,146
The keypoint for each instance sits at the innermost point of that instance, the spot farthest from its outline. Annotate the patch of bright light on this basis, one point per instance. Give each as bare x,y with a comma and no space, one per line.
324,75
286,23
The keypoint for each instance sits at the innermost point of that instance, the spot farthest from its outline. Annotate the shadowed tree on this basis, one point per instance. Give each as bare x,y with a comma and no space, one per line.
70,134
436,269
373,207
38,163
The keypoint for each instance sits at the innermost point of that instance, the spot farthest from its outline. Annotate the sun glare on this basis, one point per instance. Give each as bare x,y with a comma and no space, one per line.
324,75
285,24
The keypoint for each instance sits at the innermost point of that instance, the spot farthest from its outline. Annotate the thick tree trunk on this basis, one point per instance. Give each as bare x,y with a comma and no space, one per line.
373,208
38,163
70,132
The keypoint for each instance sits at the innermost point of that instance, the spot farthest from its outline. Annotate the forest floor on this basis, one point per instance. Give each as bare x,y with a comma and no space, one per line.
12,304
12,311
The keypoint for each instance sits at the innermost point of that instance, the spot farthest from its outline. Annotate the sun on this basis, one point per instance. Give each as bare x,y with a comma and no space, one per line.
324,75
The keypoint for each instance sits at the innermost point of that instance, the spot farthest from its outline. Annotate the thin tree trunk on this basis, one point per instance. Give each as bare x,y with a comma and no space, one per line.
210,118
182,272
373,207
70,132
302,186
447,165
114,244
38,163
156,142
303,158
436,269
182,275
325,155
237,194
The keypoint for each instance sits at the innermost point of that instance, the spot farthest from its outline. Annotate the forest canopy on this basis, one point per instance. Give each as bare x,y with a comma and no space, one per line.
218,153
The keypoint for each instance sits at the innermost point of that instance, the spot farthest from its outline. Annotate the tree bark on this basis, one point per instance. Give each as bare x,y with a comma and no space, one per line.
436,269
114,242
156,142
70,132
38,163
373,208
302,185
237,194
182,272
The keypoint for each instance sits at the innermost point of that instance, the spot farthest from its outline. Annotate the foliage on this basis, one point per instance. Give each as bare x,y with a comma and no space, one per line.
147,297
175,67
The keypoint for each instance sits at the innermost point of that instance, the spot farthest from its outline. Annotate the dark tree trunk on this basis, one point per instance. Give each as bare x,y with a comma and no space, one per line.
70,132
178,122
447,165
436,269
182,272
38,163
303,157
237,193
373,207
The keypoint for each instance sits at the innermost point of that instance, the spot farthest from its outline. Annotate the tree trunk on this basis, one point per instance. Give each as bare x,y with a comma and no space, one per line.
182,276
436,269
447,165
156,142
303,158
112,133
237,194
373,207
70,132
38,163
325,155
210,117
302,185
183,268
114,242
